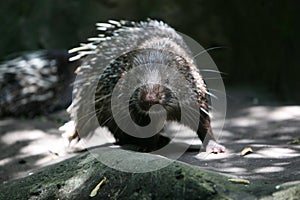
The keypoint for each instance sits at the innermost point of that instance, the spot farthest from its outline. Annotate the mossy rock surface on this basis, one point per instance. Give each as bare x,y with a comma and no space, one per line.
75,178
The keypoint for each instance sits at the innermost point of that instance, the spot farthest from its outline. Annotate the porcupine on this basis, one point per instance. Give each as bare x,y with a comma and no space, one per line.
36,83
121,47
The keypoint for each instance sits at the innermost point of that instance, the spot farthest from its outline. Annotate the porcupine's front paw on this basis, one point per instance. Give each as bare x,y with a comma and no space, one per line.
214,147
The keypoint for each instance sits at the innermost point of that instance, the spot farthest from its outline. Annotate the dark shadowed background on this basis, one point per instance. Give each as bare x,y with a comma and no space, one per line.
260,39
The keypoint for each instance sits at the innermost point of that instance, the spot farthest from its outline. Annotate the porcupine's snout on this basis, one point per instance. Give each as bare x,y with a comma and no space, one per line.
150,95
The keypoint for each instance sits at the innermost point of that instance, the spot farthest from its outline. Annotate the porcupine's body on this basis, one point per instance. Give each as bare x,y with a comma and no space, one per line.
36,83
149,64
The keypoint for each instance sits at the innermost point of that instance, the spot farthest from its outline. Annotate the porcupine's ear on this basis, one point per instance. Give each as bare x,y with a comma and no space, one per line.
115,39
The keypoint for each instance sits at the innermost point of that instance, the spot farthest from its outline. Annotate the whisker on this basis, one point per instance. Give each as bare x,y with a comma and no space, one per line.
212,78
209,49
213,71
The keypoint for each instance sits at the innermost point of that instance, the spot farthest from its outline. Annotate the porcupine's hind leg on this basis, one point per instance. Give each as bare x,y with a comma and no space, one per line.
70,134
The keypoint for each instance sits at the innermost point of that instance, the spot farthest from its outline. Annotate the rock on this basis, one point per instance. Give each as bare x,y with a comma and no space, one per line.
290,193
77,177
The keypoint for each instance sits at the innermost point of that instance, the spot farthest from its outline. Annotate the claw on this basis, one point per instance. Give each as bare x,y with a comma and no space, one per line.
214,147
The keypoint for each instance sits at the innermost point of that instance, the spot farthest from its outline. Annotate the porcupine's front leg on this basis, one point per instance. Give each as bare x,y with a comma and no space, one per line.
205,134
200,123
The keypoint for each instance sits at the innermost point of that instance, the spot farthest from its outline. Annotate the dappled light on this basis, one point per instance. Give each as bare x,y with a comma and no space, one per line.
28,144
269,131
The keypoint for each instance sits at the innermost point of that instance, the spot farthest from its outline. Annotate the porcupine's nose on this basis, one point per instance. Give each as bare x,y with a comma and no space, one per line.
150,95
151,98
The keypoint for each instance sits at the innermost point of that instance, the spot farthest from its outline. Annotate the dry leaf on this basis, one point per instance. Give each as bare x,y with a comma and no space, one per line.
95,190
239,180
246,151
294,141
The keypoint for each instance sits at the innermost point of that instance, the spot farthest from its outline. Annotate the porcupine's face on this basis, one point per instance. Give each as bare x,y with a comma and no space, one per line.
155,87
157,80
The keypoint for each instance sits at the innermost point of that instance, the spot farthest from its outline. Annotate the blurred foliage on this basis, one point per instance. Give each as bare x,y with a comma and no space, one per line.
261,37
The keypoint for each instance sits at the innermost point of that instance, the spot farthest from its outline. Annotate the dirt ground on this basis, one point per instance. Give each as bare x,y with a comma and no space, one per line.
254,119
